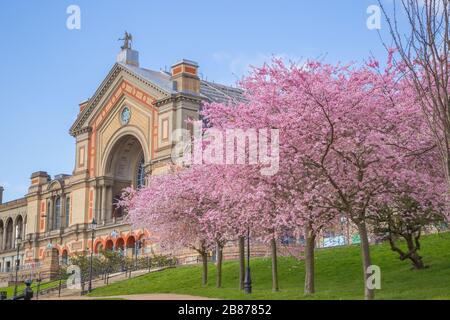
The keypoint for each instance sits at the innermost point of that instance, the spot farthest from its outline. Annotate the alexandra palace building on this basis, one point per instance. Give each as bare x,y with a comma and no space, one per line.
123,136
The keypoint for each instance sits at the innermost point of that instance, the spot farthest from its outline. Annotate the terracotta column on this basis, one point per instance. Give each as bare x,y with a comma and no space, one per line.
97,203
103,209
109,200
63,209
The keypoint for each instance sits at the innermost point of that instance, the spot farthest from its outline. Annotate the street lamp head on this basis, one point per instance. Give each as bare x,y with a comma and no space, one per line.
18,240
93,224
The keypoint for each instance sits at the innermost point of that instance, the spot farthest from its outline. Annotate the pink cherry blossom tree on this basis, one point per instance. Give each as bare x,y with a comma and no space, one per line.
416,196
350,140
167,208
189,208
278,202
336,127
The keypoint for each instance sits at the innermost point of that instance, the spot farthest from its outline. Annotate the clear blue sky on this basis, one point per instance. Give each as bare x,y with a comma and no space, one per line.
47,69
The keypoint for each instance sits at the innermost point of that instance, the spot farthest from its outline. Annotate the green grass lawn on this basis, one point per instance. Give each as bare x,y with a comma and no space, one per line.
44,285
338,276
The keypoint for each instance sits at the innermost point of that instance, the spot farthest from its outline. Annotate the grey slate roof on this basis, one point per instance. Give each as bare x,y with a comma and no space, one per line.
214,92
220,93
158,78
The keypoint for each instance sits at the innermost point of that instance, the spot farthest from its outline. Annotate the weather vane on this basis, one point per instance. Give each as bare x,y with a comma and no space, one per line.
127,39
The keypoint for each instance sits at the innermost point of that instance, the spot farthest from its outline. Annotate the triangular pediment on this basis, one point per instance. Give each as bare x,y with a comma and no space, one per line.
150,84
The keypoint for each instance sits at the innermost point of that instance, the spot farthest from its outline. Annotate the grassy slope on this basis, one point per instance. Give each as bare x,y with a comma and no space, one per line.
338,276
44,285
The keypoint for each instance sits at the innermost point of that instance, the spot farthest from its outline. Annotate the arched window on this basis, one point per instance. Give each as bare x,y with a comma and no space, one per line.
131,245
120,246
67,212
49,218
19,230
57,216
64,258
140,174
109,246
9,234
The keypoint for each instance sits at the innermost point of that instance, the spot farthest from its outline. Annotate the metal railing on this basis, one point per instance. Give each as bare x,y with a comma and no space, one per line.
107,272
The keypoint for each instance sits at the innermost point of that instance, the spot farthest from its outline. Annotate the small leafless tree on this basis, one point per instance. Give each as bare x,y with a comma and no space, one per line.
424,49
406,219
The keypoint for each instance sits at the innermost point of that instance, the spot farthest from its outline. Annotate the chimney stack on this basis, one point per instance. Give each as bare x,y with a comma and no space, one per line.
185,76
1,194
39,177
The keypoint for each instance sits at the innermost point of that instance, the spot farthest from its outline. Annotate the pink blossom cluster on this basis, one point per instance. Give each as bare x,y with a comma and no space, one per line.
351,138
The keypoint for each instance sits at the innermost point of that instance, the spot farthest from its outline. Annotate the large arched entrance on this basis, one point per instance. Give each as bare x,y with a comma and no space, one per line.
124,167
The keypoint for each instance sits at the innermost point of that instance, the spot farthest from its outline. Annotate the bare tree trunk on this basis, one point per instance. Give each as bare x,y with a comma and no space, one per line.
413,247
219,265
369,294
241,262
415,258
309,260
273,244
204,268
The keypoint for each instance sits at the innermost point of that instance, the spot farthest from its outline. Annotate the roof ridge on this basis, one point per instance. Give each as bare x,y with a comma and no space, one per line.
222,85
97,92
215,88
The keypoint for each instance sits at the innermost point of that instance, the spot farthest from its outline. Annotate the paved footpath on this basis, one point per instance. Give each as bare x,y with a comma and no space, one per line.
149,296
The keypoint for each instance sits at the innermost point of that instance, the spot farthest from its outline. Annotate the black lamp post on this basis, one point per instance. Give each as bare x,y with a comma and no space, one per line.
114,235
38,280
248,278
18,241
28,292
93,226
138,246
